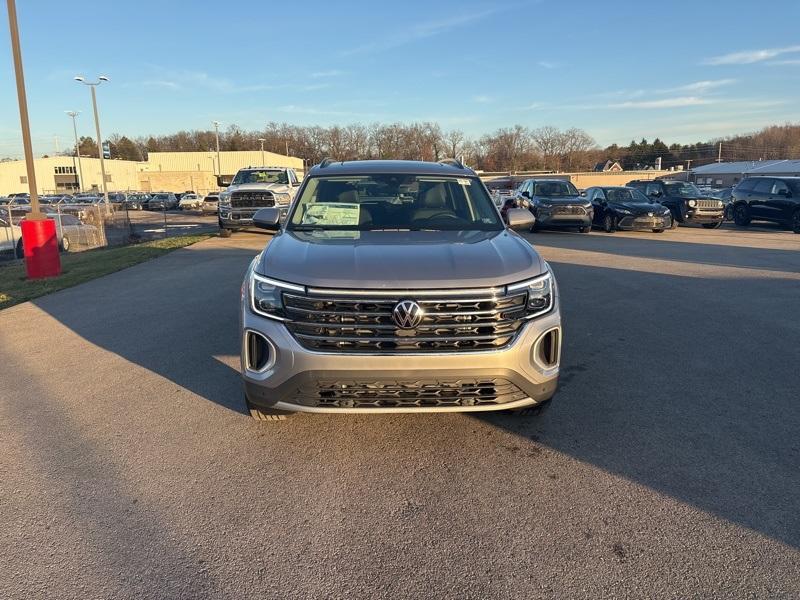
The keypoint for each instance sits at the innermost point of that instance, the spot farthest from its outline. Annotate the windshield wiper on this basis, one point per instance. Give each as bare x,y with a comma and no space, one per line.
321,228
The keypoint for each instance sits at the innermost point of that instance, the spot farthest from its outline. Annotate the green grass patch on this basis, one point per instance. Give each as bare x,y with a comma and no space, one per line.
80,267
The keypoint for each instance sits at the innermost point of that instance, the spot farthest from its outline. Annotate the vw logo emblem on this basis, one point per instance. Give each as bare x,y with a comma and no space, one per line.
407,314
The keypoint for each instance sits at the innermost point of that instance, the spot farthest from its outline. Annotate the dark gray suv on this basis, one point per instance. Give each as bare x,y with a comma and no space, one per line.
395,286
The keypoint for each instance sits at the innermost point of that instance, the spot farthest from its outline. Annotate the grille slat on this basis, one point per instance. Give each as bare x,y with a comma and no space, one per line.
252,199
410,393
361,324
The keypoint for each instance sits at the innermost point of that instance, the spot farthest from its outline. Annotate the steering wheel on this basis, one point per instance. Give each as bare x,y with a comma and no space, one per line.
441,215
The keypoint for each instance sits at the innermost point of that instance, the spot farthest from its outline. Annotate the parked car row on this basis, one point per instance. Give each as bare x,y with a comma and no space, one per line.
70,232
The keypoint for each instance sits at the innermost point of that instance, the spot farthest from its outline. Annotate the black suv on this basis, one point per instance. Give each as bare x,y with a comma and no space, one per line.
774,199
556,203
684,200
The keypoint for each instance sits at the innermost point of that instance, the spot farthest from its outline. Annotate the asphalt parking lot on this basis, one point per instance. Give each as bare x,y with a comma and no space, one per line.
667,466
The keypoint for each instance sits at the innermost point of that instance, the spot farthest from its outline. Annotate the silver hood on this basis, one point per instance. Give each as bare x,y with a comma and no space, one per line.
278,188
400,259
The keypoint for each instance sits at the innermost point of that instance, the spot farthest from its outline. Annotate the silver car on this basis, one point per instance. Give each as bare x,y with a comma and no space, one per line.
395,286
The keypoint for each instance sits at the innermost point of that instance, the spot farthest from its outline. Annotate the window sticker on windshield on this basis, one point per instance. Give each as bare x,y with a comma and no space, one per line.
332,213
464,181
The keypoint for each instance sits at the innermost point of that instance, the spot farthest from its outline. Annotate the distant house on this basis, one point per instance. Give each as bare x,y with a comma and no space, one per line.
608,165
726,174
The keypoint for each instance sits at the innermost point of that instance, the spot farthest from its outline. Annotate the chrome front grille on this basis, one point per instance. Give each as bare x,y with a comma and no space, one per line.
645,222
252,199
364,323
569,210
408,393
709,204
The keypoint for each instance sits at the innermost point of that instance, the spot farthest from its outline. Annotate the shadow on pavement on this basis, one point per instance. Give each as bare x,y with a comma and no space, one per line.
176,316
661,247
690,390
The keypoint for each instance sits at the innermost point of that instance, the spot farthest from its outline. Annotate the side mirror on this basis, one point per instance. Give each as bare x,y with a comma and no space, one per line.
519,219
583,194
527,194
784,192
655,194
268,218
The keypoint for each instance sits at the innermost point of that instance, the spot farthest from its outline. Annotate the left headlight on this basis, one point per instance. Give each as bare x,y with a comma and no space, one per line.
266,296
541,293
224,199
692,203
283,199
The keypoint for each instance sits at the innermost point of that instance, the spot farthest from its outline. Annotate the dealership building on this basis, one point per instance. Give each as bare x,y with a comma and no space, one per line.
201,172
727,174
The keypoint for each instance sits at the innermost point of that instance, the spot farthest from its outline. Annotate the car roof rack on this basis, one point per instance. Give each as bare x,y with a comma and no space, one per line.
327,162
453,162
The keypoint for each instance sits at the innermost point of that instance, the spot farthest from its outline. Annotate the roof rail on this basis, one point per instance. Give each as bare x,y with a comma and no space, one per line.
453,162
326,162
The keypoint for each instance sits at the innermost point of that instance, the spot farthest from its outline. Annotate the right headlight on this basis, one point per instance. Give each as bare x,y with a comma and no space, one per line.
541,293
266,296
692,203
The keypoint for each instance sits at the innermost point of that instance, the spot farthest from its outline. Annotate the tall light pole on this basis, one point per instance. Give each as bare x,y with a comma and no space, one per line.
216,132
92,85
74,114
39,243
262,140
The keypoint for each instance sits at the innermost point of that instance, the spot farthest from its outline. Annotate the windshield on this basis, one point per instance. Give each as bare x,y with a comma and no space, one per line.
555,189
625,195
394,202
260,176
683,190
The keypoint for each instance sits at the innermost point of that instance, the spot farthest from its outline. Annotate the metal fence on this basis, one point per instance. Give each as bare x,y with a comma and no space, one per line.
81,227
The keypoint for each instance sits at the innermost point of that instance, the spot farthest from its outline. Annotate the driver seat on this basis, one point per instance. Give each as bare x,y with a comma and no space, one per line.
432,201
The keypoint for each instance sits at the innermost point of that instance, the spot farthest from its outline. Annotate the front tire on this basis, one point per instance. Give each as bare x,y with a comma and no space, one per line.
741,215
796,221
712,225
19,252
609,224
65,244
266,414
585,229
658,231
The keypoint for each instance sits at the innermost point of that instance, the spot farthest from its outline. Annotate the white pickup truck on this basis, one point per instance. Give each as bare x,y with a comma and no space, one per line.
254,188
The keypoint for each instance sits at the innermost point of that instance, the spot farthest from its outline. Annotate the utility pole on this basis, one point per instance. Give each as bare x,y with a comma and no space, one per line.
58,150
216,131
263,162
719,156
689,163
287,147
39,244
74,114
92,85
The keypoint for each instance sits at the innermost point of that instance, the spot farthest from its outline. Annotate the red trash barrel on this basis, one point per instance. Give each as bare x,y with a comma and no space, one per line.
40,244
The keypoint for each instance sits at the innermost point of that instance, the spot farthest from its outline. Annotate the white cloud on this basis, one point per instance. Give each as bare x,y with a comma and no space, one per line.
700,87
329,73
750,56
532,106
792,61
677,102
421,31
546,64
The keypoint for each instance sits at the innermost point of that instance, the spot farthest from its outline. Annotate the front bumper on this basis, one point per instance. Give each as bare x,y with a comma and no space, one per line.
305,381
643,222
699,215
234,218
551,218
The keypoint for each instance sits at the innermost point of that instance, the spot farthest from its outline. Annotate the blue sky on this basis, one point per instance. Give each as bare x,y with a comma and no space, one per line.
687,72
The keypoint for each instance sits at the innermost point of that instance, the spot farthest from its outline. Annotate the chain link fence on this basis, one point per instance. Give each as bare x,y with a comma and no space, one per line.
94,224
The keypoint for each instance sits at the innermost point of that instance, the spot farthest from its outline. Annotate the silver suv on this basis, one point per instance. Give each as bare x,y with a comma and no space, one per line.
395,286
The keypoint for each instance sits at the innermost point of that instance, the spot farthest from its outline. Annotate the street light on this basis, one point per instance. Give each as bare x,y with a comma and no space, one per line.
262,140
74,114
39,242
92,85
216,130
